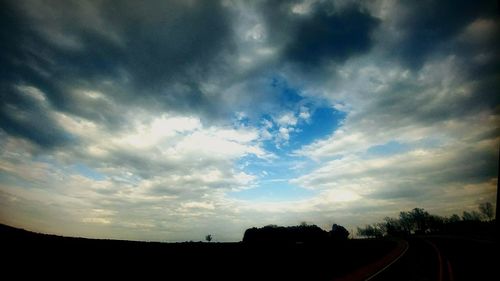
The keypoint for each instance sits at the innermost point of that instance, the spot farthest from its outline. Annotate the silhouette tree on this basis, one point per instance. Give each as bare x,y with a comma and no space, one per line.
471,216
339,232
370,231
208,237
416,220
487,210
435,223
392,227
421,220
454,218
406,222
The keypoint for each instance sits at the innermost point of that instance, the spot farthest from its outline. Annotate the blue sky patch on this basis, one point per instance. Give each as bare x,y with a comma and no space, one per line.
323,122
273,175
88,172
390,148
289,97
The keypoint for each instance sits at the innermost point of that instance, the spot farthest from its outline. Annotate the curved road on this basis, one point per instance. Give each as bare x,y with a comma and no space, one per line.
444,258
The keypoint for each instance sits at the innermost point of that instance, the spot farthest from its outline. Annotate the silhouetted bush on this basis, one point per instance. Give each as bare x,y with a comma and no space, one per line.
339,232
274,234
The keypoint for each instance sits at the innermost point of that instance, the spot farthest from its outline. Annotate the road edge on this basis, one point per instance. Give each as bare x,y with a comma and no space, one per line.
371,270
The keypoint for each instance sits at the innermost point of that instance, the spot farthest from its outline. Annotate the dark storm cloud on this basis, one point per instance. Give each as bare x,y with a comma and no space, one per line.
172,39
327,33
22,116
427,26
152,54
331,37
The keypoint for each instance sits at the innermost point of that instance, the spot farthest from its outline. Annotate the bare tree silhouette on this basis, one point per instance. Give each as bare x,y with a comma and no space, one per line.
208,237
487,210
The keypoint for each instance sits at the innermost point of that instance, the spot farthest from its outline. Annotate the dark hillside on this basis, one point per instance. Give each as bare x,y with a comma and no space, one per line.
56,256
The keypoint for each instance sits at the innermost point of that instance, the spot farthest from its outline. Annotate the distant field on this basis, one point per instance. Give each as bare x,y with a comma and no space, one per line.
54,256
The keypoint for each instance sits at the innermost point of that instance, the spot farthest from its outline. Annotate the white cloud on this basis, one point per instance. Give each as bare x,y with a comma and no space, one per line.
257,32
159,129
210,144
304,113
303,8
152,166
285,123
198,205
287,119
33,93
284,134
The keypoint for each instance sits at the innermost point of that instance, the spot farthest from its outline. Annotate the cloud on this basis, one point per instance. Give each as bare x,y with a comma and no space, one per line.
287,119
419,167
317,38
315,32
25,114
175,173
432,102
159,62
422,30
392,103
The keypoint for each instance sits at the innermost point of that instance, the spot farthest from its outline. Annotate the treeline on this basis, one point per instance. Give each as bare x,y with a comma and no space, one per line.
304,233
419,221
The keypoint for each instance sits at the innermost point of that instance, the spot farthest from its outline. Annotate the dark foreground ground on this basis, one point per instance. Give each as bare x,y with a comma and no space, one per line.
26,254
445,258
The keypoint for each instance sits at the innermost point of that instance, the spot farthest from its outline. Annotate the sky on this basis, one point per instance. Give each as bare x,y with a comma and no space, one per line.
171,120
